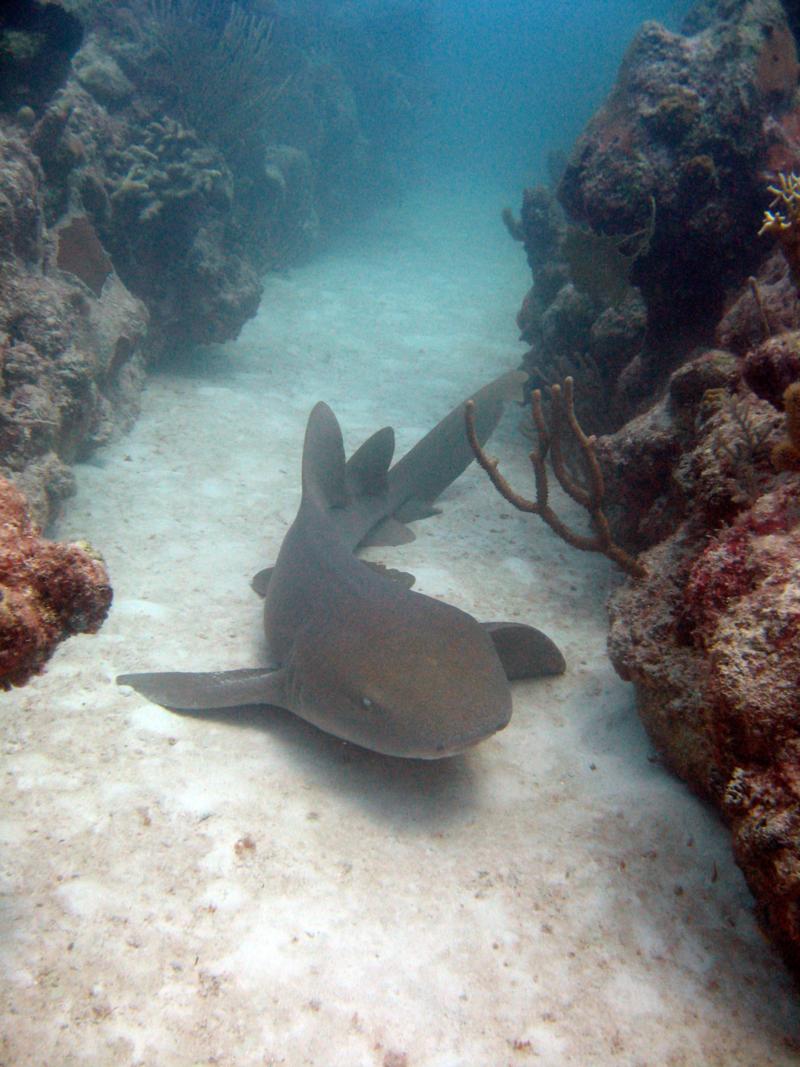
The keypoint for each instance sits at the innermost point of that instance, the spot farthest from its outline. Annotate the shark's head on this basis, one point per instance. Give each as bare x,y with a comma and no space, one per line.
424,690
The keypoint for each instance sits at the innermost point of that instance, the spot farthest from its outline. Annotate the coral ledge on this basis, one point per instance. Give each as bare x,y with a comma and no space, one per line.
48,591
678,317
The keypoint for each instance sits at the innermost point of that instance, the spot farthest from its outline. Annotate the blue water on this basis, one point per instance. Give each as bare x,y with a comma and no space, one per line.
516,80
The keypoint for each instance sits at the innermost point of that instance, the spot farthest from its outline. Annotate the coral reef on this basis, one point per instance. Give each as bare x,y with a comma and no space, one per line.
582,316
706,636
161,204
692,375
686,125
155,159
214,64
660,200
171,198
48,591
206,144
710,641
70,338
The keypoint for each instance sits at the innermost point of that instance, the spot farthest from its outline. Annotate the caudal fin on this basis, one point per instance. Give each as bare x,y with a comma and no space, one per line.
444,453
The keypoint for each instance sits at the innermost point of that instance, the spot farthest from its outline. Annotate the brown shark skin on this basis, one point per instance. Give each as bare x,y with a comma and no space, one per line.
412,676
360,655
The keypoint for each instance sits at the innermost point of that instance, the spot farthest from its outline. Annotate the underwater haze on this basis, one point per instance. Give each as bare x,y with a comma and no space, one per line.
517,80
407,814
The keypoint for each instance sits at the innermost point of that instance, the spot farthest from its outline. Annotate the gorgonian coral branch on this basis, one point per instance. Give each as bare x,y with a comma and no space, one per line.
589,496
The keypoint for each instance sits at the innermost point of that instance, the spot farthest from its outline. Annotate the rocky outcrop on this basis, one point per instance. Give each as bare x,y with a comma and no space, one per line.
48,591
582,316
711,642
155,160
162,205
653,287
686,130
70,337
661,198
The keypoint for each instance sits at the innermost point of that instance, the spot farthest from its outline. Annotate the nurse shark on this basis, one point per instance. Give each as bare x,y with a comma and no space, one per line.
354,650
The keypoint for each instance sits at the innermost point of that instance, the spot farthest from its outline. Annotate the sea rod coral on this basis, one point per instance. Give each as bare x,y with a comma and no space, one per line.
589,496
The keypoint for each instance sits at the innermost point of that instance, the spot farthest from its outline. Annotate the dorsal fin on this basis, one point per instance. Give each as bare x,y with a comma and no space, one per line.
323,458
368,465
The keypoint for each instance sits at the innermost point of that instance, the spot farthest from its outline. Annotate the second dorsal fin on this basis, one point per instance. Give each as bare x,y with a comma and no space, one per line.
368,465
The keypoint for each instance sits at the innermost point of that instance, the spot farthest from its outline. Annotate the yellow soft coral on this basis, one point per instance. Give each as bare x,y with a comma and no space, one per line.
782,219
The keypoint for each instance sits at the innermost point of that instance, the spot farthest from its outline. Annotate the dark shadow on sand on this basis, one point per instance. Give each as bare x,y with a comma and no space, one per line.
426,794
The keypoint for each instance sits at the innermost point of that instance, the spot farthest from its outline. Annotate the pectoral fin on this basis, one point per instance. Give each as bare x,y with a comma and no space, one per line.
414,509
259,582
524,651
388,532
403,578
186,691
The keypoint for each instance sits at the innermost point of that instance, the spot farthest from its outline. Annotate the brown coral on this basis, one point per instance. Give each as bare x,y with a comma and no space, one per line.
48,591
782,219
777,68
786,454
80,253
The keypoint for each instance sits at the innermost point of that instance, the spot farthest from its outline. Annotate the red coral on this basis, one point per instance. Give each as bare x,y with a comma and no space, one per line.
48,591
736,562
720,574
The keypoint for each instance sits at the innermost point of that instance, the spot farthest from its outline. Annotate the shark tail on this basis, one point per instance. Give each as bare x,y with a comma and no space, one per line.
444,453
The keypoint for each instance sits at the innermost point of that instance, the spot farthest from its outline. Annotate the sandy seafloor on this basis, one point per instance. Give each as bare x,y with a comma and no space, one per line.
248,891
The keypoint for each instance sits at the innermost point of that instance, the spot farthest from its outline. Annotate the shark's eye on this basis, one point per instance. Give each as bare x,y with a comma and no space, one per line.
367,703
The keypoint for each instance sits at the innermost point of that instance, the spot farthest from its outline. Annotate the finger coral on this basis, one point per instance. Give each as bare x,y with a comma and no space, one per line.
48,591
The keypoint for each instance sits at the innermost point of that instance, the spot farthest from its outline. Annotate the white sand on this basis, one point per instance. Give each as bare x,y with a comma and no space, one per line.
248,892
